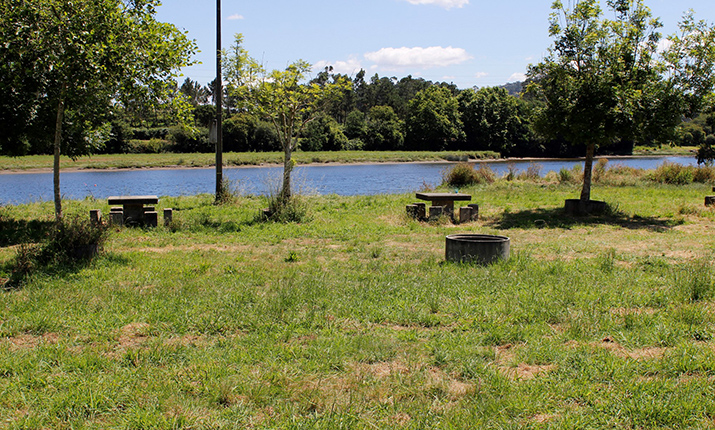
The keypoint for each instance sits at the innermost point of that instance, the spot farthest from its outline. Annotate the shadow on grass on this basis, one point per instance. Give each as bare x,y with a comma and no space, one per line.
557,218
15,232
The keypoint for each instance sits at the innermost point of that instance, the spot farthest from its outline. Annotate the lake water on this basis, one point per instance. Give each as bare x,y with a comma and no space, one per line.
358,179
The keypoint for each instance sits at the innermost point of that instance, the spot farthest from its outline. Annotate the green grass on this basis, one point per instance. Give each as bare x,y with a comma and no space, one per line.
354,320
120,161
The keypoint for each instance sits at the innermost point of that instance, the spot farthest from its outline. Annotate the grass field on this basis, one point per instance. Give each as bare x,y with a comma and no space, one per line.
353,319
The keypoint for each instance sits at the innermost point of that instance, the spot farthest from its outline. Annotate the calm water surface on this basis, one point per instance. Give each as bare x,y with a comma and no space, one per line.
363,179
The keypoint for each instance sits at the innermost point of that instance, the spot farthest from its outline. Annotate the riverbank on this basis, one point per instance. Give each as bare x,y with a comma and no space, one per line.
43,163
353,319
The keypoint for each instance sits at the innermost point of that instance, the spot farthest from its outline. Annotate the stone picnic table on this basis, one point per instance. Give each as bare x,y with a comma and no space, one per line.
444,199
134,210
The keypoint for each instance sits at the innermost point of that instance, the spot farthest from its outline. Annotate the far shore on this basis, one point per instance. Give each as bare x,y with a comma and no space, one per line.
102,166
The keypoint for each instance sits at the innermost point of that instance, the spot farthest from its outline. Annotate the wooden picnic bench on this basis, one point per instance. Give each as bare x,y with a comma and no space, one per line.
133,207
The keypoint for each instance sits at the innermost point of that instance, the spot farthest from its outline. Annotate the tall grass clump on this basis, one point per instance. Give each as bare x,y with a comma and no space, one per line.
464,174
672,173
695,281
532,173
229,193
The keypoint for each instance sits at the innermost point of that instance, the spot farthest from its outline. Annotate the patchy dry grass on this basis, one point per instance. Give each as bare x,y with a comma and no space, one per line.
354,319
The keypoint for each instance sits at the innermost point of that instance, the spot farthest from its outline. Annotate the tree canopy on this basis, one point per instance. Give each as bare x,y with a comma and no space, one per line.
66,65
605,81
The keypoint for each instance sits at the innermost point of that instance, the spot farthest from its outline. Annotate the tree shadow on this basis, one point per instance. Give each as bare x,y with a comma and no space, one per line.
15,232
557,218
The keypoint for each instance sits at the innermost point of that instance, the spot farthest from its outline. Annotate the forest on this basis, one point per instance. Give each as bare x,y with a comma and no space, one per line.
376,113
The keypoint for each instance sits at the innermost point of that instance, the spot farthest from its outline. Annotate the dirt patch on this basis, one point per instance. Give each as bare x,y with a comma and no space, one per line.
637,354
133,335
633,311
400,420
29,341
543,418
506,355
383,370
186,340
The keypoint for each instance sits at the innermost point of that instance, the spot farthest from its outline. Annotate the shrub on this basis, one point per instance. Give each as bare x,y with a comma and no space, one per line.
672,173
71,240
565,176
293,210
460,175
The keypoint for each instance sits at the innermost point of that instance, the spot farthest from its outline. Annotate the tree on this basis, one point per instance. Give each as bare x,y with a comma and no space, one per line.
603,80
493,119
290,105
281,97
80,59
433,120
384,130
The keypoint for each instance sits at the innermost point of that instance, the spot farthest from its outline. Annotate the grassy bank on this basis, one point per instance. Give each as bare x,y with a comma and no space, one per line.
354,320
123,161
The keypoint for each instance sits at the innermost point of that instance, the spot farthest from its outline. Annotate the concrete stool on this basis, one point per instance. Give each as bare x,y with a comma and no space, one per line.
116,216
435,212
465,214
151,219
475,211
95,216
168,216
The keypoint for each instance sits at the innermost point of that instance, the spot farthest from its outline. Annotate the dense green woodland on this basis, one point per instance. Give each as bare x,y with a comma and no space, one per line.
370,113
379,113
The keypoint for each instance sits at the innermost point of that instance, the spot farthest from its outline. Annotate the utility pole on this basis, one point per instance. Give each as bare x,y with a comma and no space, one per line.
219,105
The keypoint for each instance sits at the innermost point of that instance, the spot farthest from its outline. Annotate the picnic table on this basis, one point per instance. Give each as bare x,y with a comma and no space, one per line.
133,206
444,199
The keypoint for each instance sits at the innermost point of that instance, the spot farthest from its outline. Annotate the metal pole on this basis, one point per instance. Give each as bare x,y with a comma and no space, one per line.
219,104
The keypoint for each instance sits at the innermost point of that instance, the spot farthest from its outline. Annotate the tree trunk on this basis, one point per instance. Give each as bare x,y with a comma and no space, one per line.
287,169
587,173
56,163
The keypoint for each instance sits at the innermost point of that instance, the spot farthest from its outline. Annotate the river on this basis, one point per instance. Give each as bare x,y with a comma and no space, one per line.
351,179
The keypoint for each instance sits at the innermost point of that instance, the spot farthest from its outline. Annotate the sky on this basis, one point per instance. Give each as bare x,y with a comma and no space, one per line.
471,43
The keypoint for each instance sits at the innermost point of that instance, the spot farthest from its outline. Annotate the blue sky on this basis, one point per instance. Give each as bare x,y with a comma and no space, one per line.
468,42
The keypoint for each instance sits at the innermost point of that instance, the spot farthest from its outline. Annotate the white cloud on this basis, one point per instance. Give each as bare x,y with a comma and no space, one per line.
424,58
349,67
517,77
481,75
235,17
447,4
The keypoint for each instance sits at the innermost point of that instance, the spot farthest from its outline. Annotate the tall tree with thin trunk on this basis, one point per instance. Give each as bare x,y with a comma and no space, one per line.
606,80
281,97
86,57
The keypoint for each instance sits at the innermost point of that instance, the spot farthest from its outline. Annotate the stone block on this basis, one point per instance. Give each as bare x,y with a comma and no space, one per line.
435,212
709,200
421,210
116,217
168,216
475,211
95,216
151,219
465,214
411,211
